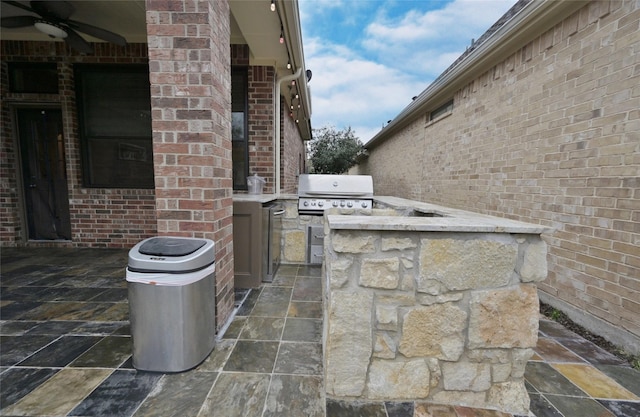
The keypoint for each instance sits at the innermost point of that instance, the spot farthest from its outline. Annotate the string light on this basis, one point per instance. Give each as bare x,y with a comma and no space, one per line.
288,65
281,37
273,5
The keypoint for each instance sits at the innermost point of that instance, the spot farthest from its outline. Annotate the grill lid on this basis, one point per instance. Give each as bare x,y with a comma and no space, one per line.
311,185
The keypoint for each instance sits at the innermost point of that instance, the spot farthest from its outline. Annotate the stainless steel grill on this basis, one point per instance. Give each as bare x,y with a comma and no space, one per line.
319,192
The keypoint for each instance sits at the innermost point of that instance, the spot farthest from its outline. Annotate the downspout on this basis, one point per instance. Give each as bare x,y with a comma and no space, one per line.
280,80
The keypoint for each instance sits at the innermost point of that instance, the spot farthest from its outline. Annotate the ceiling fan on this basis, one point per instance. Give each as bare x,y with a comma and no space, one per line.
53,20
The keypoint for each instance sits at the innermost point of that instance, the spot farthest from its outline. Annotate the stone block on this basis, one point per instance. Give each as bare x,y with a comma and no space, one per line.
353,242
534,262
430,286
397,243
500,372
504,318
433,331
380,273
294,246
404,299
398,380
436,371
520,357
465,376
467,264
339,271
386,317
510,397
348,342
385,346
427,300
489,355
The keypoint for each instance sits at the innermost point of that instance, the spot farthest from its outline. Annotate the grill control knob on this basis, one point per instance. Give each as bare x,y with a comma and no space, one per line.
306,203
349,204
334,203
320,203
342,204
364,204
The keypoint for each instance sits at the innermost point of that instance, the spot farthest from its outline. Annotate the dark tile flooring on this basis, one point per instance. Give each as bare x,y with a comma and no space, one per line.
65,350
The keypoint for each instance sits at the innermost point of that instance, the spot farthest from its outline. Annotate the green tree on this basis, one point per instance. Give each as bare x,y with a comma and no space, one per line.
334,151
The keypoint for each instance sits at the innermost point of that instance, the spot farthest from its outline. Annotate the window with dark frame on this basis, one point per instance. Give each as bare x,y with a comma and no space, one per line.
114,124
239,129
441,111
33,77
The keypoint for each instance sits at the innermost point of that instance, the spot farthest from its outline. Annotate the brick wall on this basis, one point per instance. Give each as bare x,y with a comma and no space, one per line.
549,135
292,153
116,218
189,64
261,124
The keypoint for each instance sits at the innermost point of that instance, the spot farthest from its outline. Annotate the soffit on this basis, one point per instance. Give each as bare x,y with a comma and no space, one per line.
254,24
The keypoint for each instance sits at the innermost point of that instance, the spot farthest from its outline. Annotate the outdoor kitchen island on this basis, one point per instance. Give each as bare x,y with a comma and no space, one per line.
428,303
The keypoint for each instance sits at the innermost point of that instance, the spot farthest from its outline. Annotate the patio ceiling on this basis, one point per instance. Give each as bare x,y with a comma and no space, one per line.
252,23
126,18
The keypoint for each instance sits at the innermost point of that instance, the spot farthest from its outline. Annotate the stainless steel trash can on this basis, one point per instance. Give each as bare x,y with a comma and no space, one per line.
171,289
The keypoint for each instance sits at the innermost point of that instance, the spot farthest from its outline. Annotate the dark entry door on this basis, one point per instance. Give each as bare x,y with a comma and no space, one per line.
44,174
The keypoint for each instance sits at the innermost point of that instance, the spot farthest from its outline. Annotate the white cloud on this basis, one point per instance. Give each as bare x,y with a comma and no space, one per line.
349,90
368,77
428,42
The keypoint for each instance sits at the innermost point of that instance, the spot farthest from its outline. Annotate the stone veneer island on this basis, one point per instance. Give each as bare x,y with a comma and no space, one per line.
428,303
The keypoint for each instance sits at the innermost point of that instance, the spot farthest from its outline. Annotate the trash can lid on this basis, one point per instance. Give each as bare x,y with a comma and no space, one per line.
167,246
171,254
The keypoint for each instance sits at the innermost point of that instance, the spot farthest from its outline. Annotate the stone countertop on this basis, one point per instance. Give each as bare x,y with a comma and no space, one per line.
264,198
258,198
445,220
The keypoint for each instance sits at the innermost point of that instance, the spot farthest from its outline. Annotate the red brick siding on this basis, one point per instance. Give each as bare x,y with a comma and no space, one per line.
292,153
190,74
261,124
115,218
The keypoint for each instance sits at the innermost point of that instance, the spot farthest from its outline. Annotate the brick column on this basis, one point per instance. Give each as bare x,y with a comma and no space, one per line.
189,66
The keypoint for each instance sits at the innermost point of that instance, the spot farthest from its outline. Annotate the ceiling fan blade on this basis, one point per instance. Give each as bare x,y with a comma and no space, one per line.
19,5
17,21
97,32
76,42
61,10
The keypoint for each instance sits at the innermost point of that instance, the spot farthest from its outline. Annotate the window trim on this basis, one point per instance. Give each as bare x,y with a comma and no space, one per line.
440,112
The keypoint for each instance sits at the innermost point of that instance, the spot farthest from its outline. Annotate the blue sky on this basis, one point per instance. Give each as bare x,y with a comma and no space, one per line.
370,57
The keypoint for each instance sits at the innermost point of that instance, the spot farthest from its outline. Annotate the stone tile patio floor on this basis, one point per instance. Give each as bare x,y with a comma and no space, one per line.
66,351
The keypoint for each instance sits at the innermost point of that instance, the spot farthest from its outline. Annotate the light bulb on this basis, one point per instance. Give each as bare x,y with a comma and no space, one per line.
273,5
288,65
